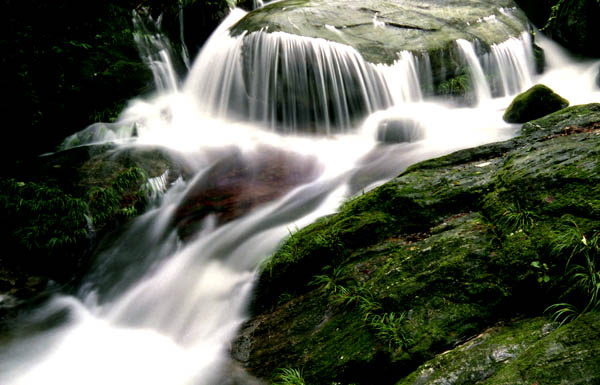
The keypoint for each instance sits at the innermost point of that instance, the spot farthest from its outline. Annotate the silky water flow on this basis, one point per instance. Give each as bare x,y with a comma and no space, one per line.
159,310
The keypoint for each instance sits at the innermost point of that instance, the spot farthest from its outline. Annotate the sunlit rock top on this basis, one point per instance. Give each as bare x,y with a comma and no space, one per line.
380,29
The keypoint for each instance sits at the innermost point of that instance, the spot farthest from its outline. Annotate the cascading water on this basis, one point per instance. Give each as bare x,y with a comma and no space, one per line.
157,310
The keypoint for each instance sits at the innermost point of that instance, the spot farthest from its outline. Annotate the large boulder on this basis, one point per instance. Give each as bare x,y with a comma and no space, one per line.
380,29
435,257
436,37
534,103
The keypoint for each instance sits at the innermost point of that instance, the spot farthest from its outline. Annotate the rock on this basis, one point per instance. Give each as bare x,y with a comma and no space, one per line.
478,359
380,30
238,183
539,56
598,78
575,25
432,259
524,352
65,202
534,103
570,354
400,131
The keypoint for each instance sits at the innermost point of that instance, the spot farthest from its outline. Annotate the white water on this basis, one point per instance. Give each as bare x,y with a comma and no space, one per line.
160,311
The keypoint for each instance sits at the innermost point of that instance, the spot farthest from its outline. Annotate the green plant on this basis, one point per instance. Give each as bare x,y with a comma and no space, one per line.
389,328
542,270
287,376
41,217
328,281
583,273
516,218
553,14
456,86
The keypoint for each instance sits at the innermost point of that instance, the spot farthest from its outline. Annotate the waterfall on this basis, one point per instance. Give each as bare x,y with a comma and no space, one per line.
479,81
327,86
504,71
160,309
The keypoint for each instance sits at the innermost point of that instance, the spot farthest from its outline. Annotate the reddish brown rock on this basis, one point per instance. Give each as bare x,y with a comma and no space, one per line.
239,182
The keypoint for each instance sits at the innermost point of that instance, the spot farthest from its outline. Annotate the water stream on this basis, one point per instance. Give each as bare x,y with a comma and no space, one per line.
158,310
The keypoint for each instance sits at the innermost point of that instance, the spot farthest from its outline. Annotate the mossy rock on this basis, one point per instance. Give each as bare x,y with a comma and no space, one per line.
65,202
574,24
406,25
478,359
568,355
523,352
534,103
431,259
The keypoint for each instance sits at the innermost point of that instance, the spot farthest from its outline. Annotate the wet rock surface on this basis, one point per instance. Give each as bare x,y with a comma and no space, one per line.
432,259
379,30
239,182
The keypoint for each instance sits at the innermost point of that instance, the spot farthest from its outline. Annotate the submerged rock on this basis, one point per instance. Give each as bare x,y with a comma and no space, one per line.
237,183
534,103
400,131
432,259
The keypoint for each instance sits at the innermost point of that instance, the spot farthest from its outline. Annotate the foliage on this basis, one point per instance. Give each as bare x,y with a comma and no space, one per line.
389,328
583,272
542,269
119,200
458,85
65,60
517,218
48,228
288,376
42,217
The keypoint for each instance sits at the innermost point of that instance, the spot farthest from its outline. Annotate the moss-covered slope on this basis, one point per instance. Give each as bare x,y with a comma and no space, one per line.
431,259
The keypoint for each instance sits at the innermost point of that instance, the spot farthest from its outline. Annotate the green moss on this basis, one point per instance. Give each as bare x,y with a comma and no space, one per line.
455,244
569,354
477,359
582,116
534,103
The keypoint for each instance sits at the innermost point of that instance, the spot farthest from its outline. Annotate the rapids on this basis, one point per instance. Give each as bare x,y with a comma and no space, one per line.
157,310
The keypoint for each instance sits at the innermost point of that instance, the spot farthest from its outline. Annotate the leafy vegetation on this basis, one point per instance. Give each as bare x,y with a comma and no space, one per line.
288,376
50,229
459,85
583,273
